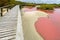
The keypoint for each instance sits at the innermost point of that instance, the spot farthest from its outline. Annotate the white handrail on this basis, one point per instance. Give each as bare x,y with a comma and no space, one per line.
19,32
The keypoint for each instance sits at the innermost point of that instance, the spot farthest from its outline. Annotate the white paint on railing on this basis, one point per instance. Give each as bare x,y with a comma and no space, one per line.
19,32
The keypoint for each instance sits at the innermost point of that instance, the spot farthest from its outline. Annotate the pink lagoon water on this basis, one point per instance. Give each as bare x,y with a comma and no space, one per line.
49,28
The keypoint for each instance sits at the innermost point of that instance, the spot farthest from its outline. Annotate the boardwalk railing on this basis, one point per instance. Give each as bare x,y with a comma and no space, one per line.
8,24
11,25
4,9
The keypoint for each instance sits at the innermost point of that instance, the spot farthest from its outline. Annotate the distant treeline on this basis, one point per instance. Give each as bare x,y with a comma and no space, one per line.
42,6
48,6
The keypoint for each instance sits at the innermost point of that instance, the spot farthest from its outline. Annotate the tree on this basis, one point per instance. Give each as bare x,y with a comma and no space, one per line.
4,2
12,2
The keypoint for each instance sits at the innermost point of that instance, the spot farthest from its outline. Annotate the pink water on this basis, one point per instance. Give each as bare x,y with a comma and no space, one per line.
49,28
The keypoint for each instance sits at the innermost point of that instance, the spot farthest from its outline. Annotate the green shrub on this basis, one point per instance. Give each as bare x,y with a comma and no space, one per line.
57,5
46,7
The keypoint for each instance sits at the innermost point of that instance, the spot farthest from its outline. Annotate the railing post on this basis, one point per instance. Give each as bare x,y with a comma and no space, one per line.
7,9
1,11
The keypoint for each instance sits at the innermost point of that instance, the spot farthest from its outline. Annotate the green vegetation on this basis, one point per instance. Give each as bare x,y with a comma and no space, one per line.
3,2
24,4
6,2
42,6
57,5
46,7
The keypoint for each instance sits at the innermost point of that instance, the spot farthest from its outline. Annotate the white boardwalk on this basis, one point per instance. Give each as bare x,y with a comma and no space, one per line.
8,24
